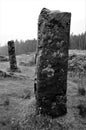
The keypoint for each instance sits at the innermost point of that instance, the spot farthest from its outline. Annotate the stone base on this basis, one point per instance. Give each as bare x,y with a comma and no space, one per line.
53,109
61,110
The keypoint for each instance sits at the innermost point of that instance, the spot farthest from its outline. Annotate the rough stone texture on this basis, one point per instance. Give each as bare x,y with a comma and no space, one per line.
52,62
12,57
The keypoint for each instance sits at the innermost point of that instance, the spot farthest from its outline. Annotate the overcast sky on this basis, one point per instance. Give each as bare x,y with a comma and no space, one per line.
19,18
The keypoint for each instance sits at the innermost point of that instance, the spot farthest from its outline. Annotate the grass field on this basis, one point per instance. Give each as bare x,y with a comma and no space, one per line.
17,102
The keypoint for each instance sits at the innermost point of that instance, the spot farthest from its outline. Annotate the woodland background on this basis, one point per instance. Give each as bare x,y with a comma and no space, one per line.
24,47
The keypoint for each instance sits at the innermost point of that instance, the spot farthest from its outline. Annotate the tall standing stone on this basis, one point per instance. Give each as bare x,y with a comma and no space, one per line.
12,57
52,62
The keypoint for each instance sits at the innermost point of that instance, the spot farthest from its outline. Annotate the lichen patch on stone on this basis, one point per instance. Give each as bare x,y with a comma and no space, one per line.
49,71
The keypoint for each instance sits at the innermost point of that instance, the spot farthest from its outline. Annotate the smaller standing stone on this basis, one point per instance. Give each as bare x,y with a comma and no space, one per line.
12,57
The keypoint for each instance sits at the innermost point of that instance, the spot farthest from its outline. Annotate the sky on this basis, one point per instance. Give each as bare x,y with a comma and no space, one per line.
19,18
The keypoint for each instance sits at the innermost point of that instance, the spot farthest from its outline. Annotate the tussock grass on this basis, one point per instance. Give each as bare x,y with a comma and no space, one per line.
82,110
81,91
26,94
38,122
81,86
6,102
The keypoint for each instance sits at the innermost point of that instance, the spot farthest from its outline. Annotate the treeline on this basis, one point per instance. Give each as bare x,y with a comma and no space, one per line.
78,41
21,47
25,47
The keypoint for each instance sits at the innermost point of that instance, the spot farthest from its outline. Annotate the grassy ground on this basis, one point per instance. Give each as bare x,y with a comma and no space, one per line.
17,102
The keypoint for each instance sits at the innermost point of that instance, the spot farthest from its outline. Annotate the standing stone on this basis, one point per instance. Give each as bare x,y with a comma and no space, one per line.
12,57
52,62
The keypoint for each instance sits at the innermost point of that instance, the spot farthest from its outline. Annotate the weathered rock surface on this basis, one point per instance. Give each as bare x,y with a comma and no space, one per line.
52,62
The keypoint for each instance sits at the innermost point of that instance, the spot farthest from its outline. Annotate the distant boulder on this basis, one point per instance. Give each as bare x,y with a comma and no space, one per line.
3,58
4,74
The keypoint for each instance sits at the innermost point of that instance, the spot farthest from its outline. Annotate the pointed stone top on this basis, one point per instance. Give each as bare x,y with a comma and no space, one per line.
45,10
11,41
47,14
